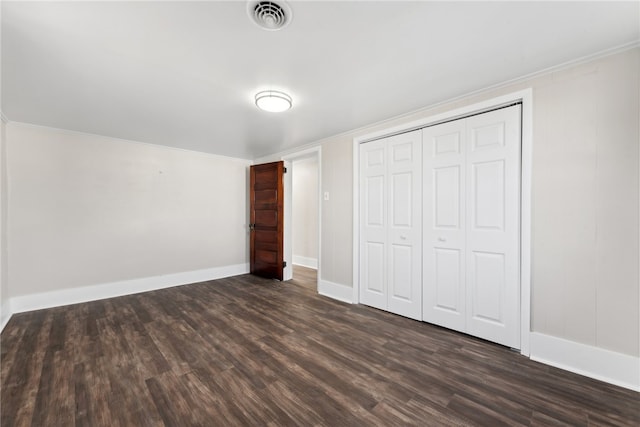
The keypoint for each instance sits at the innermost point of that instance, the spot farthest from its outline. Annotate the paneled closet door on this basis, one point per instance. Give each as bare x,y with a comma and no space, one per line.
390,224
404,232
493,226
444,297
373,224
471,205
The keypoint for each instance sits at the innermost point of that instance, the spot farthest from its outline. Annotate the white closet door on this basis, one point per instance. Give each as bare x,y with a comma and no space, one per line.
373,224
493,226
444,225
390,224
404,232
471,225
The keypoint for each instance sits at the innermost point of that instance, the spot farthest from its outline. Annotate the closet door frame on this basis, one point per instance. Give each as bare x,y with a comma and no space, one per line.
525,97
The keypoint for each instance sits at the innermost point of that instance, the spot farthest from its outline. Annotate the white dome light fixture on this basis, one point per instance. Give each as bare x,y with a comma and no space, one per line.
273,101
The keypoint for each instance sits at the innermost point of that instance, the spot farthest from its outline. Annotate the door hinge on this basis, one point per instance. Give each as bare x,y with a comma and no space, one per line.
284,264
284,170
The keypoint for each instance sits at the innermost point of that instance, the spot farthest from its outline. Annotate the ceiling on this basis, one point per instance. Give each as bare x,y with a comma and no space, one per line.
183,74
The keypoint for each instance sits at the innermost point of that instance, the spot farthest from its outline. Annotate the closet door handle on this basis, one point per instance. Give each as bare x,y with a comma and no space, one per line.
441,239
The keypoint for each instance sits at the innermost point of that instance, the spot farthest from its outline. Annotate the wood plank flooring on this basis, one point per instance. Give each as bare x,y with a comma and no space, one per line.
250,351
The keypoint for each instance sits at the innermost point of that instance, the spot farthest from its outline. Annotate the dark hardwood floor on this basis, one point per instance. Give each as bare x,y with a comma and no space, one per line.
305,277
251,351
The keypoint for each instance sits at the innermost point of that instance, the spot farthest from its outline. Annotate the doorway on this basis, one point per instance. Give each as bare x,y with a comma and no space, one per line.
302,217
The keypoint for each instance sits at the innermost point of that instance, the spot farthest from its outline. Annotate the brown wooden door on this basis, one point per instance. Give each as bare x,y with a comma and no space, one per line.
266,195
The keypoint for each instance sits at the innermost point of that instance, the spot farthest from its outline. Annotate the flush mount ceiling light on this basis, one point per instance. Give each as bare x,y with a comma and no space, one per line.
273,101
269,15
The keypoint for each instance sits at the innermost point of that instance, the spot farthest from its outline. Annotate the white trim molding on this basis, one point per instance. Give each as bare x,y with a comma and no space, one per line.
336,291
304,261
526,98
615,368
62,297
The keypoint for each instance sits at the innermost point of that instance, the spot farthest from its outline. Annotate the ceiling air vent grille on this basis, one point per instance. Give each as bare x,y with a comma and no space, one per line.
269,15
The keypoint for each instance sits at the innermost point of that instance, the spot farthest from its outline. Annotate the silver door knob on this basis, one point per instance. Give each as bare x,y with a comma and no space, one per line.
441,239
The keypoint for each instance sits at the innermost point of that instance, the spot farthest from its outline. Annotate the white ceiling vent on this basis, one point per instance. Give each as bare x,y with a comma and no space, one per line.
269,15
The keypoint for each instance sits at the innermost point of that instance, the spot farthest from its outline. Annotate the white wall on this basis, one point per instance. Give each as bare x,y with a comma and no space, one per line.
585,199
4,283
5,311
585,196
336,228
88,210
305,211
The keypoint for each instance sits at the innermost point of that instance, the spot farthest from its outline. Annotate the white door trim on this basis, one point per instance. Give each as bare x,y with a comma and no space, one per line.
288,209
526,98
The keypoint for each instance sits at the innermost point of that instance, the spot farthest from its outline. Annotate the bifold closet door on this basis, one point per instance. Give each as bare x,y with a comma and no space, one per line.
373,224
391,225
471,263
444,225
493,229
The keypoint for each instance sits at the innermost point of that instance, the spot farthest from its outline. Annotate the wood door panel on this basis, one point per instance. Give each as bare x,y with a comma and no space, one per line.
267,218
267,226
266,256
266,238
266,178
266,198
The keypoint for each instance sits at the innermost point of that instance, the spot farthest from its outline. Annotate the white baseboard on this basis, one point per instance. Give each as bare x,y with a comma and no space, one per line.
336,291
62,297
604,365
305,261
5,314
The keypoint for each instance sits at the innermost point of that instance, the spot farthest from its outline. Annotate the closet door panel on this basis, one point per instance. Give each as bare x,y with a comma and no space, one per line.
405,227
493,245
447,280
446,198
444,225
373,224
